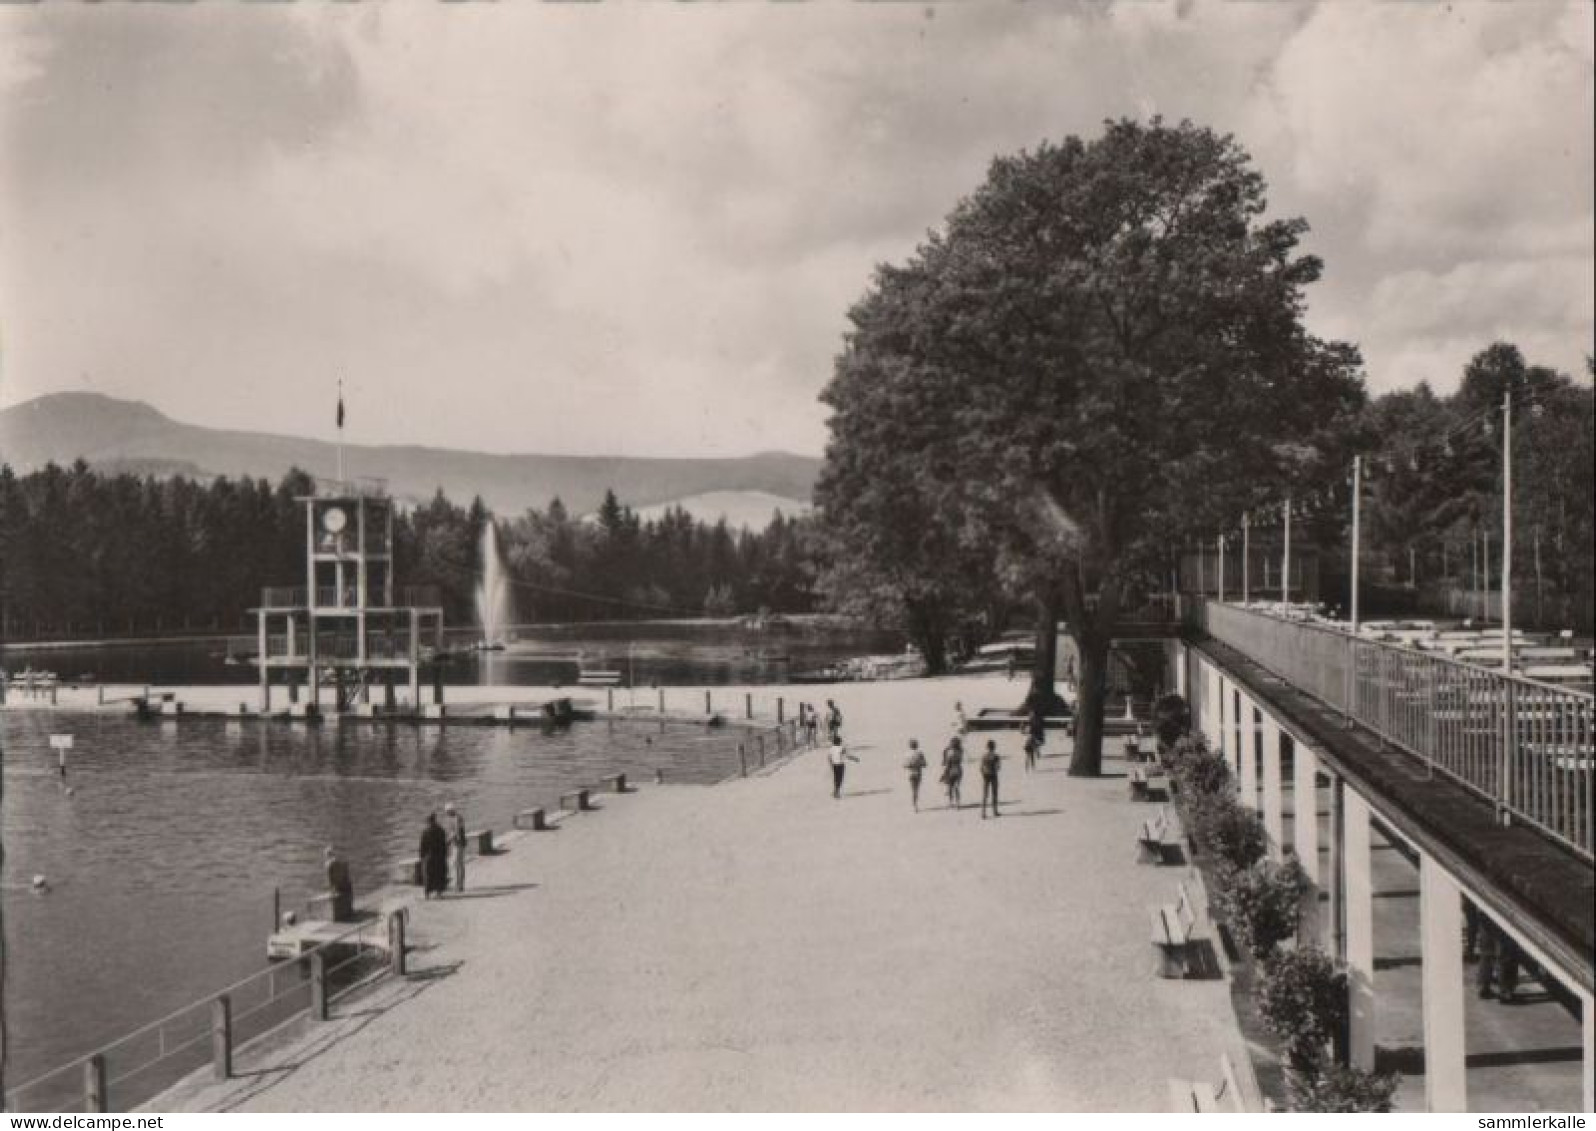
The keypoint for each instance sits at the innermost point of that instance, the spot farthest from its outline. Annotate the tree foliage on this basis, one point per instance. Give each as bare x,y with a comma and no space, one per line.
1100,349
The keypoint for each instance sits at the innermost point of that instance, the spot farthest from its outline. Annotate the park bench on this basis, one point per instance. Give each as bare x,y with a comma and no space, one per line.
615,783
1144,780
1174,927
1160,839
534,819
575,800
1201,1097
1141,748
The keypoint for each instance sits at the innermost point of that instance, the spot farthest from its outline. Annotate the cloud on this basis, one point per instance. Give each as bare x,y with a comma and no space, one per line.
639,228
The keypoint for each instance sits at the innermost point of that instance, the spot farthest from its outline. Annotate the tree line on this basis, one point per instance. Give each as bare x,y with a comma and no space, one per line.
85,554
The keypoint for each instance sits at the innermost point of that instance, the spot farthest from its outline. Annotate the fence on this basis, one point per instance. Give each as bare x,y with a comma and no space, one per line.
1525,746
134,1069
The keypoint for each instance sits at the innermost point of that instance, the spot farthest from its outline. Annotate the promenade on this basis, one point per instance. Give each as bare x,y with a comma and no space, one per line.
760,946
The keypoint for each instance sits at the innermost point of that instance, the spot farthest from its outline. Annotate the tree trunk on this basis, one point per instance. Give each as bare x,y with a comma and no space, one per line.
925,630
1043,698
1091,690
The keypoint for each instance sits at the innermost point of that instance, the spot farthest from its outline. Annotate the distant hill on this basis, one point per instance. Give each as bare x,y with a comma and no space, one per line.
753,509
119,435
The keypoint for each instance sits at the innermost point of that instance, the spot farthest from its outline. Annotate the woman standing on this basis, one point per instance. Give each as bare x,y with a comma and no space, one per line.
916,766
953,769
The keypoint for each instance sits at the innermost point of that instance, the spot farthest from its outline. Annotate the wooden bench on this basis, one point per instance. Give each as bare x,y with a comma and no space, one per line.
575,800
534,819
1144,779
1161,839
1174,928
616,783
1201,1097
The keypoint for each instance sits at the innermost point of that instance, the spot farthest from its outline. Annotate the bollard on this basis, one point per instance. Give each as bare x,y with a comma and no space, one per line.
708,710
609,699
662,700
742,759
94,1095
659,777
396,942
781,708
748,705
222,1038
277,910
52,694
100,695
318,986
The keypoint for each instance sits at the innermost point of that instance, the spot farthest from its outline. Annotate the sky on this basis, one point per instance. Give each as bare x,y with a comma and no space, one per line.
634,228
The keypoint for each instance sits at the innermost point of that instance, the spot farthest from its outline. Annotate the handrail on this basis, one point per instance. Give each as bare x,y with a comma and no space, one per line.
1524,745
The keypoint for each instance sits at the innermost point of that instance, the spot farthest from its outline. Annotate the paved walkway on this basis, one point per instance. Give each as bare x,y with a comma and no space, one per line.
760,946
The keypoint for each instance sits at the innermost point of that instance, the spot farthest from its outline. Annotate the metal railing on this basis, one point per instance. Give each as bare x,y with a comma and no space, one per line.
134,1069
330,597
1523,745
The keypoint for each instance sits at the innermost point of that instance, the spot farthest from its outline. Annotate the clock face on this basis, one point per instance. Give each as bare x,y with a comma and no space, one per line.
333,519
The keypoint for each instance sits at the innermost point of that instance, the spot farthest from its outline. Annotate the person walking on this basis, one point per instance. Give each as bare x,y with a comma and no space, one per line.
839,758
953,769
457,843
1031,748
961,724
434,859
989,777
916,767
833,722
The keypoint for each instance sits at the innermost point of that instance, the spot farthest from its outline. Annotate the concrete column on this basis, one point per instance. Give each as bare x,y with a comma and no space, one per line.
1182,659
1247,750
1588,1011
1358,874
1221,731
1441,952
1305,803
1274,812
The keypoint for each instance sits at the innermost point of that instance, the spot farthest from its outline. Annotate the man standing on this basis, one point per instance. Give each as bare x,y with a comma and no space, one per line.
989,778
341,886
457,843
434,854
833,722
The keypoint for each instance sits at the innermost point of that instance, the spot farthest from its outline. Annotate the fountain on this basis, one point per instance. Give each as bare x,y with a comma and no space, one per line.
494,607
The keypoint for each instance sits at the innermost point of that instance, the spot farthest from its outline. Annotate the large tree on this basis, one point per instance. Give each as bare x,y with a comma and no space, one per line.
1101,351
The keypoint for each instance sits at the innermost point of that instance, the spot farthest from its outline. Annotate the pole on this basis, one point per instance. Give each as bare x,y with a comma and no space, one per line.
1357,517
340,430
1246,557
1221,569
1285,566
1507,531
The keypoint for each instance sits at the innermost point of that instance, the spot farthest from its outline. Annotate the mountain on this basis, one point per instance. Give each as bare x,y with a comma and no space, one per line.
753,509
122,435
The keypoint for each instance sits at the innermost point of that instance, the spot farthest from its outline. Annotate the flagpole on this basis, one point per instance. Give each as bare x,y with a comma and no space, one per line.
340,432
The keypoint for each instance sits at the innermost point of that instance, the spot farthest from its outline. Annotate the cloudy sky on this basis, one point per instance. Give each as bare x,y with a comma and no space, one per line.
636,228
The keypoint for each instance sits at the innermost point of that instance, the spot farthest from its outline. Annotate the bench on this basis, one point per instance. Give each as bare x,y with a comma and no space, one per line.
1140,748
534,819
1201,1097
575,800
1173,929
615,783
1160,840
1143,780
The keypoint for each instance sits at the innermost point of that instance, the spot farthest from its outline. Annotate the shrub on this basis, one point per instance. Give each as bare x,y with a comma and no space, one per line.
1302,997
1230,832
1171,719
1334,1089
1195,768
1262,904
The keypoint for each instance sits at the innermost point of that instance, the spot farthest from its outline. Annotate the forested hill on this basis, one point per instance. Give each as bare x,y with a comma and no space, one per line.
127,435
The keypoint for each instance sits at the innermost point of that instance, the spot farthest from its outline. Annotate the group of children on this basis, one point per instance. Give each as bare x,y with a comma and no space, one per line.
953,765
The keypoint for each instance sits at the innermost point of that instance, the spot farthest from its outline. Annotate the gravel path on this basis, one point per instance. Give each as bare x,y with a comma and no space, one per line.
760,946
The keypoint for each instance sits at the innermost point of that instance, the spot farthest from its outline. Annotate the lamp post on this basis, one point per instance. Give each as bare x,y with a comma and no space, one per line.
1285,564
1357,517
1507,531
1246,557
